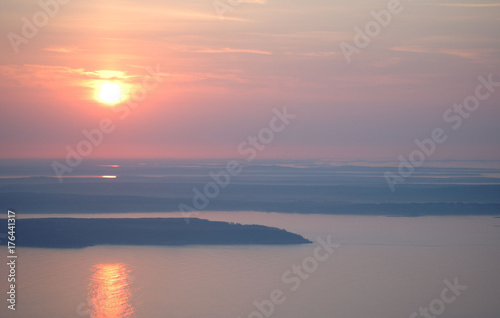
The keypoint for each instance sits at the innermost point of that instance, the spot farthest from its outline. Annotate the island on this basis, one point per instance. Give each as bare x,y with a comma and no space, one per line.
84,232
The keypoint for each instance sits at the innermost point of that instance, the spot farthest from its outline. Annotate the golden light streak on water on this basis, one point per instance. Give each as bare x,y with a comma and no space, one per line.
110,291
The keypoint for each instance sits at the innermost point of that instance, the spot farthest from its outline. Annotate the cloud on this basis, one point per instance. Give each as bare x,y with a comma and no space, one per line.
314,54
472,54
52,76
465,5
230,50
60,49
253,1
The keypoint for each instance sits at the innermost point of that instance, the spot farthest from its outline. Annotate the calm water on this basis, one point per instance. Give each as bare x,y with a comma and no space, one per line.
383,268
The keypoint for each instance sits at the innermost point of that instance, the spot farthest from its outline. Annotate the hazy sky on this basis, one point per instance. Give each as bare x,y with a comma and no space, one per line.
222,78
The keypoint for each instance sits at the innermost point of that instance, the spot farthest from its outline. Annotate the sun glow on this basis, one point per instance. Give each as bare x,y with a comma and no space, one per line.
109,93
108,177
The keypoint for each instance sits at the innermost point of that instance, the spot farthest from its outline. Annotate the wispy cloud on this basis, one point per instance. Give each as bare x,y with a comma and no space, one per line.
473,54
230,50
465,5
53,76
411,49
314,54
253,1
60,49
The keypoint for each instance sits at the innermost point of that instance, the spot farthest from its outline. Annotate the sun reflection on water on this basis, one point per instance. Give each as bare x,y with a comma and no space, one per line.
110,291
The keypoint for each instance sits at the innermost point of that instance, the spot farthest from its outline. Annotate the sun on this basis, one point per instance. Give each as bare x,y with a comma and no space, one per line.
109,93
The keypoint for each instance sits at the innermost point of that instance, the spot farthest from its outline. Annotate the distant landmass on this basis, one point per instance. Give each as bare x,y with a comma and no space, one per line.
47,203
83,232
307,187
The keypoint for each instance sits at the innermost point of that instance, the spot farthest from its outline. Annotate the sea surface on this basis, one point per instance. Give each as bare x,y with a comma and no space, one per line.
379,267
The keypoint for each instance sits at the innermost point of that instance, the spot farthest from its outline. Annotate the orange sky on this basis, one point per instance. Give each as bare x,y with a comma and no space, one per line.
216,81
